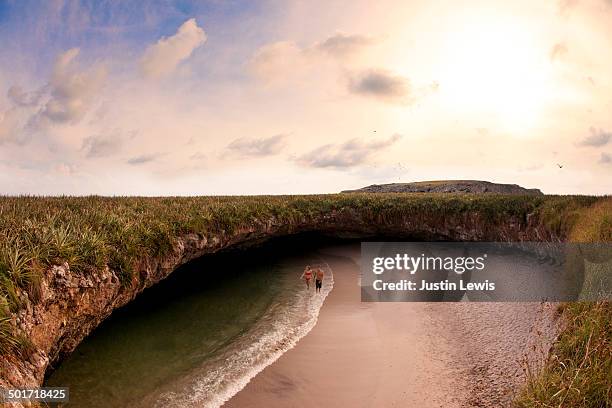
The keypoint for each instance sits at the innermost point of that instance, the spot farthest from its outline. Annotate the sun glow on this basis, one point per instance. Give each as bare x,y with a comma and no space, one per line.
497,72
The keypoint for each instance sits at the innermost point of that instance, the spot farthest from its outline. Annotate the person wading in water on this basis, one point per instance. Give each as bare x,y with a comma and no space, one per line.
319,280
307,276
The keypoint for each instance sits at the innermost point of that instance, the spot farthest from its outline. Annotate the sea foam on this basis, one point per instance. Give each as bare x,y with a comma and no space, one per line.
282,326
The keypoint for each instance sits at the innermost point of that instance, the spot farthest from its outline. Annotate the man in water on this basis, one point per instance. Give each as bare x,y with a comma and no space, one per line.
307,276
319,280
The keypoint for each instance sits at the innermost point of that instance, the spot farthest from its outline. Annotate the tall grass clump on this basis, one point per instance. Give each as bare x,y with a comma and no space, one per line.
11,341
578,372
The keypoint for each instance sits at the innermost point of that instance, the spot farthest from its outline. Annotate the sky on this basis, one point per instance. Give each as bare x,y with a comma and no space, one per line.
288,97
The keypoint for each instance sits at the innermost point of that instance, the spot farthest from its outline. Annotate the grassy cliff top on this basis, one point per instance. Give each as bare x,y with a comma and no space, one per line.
91,232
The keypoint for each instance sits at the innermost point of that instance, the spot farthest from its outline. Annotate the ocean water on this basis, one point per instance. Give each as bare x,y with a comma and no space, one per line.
197,338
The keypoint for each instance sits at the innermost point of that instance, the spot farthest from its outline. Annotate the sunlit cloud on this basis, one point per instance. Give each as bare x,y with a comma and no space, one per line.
199,156
566,6
349,154
72,91
102,145
383,85
143,158
596,138
65,169
9,127
558,51
342,45
67,96
284,58
278,58
21,98
248,147
163,57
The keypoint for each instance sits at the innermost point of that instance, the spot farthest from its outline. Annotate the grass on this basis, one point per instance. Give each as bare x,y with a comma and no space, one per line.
8,340
578,372
90,233
11,342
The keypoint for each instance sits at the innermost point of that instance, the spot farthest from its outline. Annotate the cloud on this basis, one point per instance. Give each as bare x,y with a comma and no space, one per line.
65,169
532,167
597,138
349,154
286,57
566,6
277,59
102,146
605,158
343,45
198,156
65,98
72,91
142,159
9,127
558,51
267,146
162,58
21,98
383,85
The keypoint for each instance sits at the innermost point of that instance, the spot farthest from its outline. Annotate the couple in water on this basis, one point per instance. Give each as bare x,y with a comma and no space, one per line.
318,274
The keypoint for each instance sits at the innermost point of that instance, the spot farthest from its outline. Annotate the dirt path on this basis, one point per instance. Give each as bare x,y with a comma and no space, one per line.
401,354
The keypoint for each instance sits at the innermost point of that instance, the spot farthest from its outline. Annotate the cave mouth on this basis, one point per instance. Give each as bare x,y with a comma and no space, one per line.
208,311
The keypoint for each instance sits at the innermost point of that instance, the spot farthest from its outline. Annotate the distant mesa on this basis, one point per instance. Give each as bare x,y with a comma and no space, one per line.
448,186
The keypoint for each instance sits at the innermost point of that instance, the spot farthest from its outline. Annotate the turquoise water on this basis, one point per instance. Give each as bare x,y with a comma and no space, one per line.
196,338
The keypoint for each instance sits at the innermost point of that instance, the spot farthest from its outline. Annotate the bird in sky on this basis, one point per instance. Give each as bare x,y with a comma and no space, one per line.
560,165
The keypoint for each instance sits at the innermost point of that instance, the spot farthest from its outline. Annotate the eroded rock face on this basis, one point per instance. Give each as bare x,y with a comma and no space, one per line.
448,186
72,304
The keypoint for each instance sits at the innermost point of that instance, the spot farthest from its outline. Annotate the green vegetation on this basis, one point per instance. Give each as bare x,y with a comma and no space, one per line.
89,233
8,340
11,342
578,372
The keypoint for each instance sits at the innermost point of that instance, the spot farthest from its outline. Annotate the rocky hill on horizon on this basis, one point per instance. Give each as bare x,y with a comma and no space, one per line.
447,186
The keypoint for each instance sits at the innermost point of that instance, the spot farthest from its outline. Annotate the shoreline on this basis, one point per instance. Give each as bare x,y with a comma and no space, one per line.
355,356
402,354
193,390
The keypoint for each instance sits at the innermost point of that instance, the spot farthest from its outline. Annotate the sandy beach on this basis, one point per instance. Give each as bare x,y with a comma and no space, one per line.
402,354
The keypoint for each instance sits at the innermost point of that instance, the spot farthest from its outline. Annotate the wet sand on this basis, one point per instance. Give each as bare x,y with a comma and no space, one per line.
402,354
